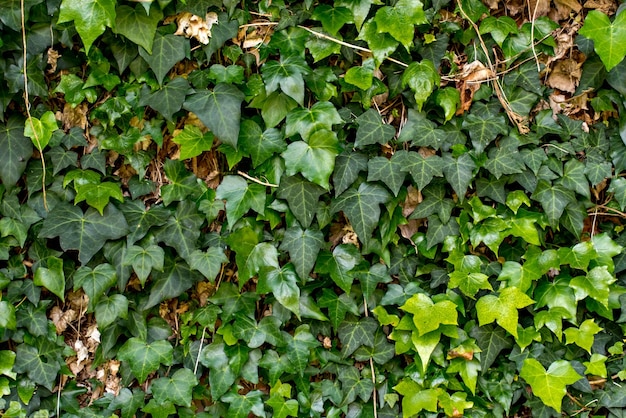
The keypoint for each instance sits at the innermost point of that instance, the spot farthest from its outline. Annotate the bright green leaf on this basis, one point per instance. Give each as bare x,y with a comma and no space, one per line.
502,308
429,316
91,17
549,385
609,38
422,77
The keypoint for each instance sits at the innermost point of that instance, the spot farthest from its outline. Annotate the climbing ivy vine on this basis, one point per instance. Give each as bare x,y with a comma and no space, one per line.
348,208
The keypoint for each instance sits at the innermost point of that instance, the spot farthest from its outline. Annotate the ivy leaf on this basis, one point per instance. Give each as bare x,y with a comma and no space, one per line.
438,230
193,142
95,282
288,74
167,50
303,247
381,44
353,386
86,232
169,99
354,333
361,76
388,170
283,408
415,399
144,260
176,278
144,358
338,265
458,172
469,283
549,385
332,18
182,182
449,99
362,207
422,77
499,28
372,129
109,309
502,308
421,168
140,219
219,110
97,195
208,262
8,319
240,197
39,369
504,161
315,158
40,130
347,168
91,17
584,335
369,279
574,178
261,145
251,260
429,316
491,340
609,39
302,197
553,199
305,121
182,229
338,306
484,127
595,284
283,283
137,25
398,20
52,277
176,389
16,151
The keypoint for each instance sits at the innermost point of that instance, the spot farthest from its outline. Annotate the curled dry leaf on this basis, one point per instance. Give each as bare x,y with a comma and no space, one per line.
193,26
563,8
565,75
608,7
61,320
53,57
469,81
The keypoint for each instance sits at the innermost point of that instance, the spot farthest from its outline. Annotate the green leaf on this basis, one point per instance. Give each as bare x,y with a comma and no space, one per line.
7,315
98,194
484,127
469,283
361,76
499,28
347,168
338,264
260,145
353,386
596,366
208,262
144,358
40,130
240,197
275,107
288,74
553,199
595,284
251,255
421,168
167,50
36,365
169,99
91,17
95,282
458,172
182,182
16,151
574,178
549,385
303,247
429,316
193,142
388,170
491,340
182,230
422,77
175,279
137,25
369,279
109,309
372,129
415,399
449,99
283,408
302,197
86,232
283,283
176,389
140,219
14,228
439,230
315,158
502,308
7,360
144,260
338,306
362,207
302,121
584,335
504,161
609,39
355,333
219,110
381,44
332,18
398,20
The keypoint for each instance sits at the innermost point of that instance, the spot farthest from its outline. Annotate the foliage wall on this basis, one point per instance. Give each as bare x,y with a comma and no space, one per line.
300,209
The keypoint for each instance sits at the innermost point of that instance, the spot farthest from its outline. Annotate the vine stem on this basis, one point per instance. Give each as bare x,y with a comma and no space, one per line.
262,183
195,367
27,105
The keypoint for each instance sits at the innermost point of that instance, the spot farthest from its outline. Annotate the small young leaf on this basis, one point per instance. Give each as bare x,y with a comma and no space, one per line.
52,277
193,142
40,130
423,78
429,316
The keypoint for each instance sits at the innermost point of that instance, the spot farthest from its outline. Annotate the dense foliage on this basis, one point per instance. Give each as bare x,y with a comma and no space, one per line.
312,208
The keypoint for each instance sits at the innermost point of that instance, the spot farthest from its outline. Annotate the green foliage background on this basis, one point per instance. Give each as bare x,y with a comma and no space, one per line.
352,208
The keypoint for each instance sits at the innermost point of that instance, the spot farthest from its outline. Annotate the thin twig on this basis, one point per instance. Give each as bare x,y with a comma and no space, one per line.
195,368
374,397
532,33
262,183
608,208
27,105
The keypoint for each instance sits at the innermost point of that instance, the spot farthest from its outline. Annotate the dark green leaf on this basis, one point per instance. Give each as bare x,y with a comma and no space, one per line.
303,247
109,309
458,172
141,220
176,389
347,168
17,150
388,170
338,306
338,264
144,260
91,17
169,99
302,197
137,25
283,283
288,74
182,229
421,168
438,230
167,50
208,262
144,358
39,369
240,197
372,129
491,340
95,282
260,145
305,121
315,158
175,279
553,199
